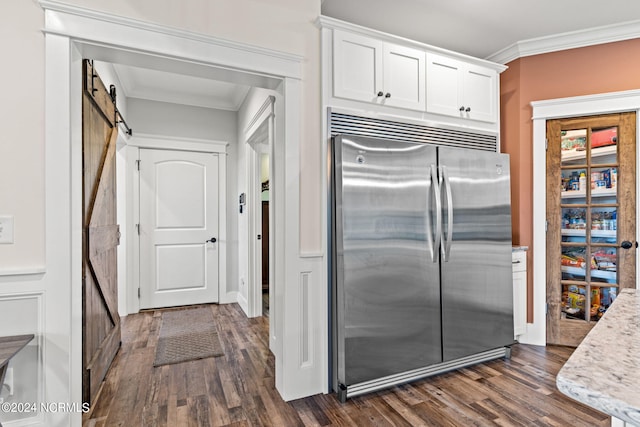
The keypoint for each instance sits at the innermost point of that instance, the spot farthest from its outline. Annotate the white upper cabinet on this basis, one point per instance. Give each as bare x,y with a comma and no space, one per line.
459,89
369,70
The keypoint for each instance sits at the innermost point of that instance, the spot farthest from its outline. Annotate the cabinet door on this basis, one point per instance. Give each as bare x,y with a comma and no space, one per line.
458,89
519,263
403,75
444,86
479,93
357,67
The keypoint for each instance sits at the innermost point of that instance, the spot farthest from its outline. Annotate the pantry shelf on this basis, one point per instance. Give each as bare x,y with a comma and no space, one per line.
576,194
574,154
597,274
594,233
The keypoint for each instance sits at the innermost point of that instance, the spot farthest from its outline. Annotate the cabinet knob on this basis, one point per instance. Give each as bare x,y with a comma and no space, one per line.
380,93
462,108
467,109
387,95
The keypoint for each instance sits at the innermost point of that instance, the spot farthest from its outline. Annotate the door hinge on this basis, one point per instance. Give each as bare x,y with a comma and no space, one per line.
546,226
138,229
546,145
138,293
138,164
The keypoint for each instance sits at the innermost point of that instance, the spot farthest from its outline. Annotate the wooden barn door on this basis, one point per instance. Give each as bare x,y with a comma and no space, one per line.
101,322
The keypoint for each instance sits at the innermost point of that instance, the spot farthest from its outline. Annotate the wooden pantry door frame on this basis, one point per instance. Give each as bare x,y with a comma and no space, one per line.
542,111
562,330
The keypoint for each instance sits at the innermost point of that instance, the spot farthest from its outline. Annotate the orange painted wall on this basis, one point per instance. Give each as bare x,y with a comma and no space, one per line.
602,68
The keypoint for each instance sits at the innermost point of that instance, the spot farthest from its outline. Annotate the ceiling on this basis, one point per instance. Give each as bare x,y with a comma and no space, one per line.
480,27
473,27
165,86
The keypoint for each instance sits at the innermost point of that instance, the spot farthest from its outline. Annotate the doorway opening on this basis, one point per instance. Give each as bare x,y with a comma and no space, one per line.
264,198
73,33
260,170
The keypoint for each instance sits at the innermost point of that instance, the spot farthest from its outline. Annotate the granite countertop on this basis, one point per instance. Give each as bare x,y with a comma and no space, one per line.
604,371
519,248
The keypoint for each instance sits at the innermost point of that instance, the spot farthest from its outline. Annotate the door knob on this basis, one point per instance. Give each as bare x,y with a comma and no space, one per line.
380,93
212,240
462,108
627,244
467,109
387,95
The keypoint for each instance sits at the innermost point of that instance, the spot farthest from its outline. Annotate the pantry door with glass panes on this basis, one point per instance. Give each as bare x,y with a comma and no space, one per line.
591,220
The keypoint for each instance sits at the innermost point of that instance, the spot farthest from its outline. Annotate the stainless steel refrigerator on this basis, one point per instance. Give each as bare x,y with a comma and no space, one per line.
421,264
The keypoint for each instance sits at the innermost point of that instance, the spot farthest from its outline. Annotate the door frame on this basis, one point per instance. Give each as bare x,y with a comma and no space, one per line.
73,32
588,105
259,137
152,142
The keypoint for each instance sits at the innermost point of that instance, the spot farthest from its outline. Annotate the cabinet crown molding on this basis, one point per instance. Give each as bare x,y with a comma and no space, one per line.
332,23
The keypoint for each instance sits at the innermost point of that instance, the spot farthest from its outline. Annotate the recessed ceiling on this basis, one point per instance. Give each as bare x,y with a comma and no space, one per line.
480,27
163,86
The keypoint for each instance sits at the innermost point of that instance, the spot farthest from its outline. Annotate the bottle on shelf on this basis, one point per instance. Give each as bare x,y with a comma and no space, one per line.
614,177
583,182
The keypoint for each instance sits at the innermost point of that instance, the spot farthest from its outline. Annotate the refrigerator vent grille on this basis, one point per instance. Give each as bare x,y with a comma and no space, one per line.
378,128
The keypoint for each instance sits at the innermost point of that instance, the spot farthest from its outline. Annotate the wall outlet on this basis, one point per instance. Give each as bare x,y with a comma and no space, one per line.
6,229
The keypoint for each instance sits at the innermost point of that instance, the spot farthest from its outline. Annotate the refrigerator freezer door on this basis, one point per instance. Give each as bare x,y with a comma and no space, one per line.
477,304
388,301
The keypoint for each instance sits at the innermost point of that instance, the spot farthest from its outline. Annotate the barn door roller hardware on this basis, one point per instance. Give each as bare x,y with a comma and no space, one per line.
97,92
119,118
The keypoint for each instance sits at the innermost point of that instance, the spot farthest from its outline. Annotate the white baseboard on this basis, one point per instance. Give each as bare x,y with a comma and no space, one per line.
244,304
229,297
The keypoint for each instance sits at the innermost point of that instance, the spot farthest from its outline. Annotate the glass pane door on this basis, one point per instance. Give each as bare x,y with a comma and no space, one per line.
589,211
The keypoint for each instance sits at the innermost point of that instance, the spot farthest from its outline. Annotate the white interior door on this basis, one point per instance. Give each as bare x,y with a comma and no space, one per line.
178,228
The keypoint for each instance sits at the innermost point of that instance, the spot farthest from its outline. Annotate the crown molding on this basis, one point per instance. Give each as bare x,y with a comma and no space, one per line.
569,40
147,140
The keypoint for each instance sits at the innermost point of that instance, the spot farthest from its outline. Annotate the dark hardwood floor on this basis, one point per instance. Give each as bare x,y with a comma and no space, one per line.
238,388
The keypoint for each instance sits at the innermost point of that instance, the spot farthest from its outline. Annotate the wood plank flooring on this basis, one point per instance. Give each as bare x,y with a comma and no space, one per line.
238,388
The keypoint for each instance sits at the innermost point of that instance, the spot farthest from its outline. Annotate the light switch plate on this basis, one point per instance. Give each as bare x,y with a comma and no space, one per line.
6,229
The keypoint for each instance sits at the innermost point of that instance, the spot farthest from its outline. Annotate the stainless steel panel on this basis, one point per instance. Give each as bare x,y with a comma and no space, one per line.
373,127
387,296
477,288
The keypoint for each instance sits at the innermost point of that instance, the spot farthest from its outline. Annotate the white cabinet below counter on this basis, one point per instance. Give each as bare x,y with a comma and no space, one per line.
519,266
370,70
459,89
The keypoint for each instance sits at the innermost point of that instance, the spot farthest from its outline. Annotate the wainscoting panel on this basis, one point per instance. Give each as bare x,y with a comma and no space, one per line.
23,313
306,350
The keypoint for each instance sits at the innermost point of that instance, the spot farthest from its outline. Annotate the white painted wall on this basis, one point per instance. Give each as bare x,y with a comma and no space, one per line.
181,121
22,142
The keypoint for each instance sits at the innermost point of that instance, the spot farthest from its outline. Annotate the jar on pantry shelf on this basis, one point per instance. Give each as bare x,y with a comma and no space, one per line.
583,182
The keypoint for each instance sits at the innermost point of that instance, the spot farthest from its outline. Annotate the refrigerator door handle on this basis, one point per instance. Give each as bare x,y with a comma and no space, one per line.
446,247
438,210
